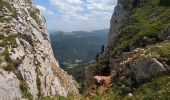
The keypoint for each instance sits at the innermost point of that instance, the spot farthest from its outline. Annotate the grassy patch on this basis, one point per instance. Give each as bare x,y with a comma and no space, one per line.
148,21
9,7
11,39
33,14
6,41
164,51
24,87
38,82
24,90
155,89
11,65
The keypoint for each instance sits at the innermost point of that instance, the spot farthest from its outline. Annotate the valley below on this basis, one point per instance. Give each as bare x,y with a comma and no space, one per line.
75,50
129,61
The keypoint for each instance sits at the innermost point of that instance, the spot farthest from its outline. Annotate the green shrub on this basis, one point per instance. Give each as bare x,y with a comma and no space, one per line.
157,88
2,36
33,14
6,54
148,21
38,81
24,90
11,65
8,6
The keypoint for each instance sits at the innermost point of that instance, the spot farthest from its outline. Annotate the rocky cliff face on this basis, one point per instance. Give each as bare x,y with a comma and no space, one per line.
28,68
138,44
119,15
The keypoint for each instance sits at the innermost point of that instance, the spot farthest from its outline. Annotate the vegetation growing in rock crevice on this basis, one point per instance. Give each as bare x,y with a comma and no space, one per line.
11,39
38,81
149,20
155,89
23,86
6,42
33,14
24,90
9,7
164,51
11,64
146,21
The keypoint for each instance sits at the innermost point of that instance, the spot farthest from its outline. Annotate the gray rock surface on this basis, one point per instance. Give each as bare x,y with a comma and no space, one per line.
118,17
89,75
146,69
9,86
25,41
165,34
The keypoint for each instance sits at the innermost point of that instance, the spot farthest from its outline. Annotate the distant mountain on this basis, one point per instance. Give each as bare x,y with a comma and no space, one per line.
77,45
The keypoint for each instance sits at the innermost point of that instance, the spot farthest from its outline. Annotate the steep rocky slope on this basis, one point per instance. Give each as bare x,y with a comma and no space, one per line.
138,47
28,68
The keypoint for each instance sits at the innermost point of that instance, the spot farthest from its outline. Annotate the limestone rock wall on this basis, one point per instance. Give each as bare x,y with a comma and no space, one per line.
120,15
26,58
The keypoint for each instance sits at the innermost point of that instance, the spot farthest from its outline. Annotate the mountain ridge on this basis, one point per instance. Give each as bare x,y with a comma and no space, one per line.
82,42
28,69
137,54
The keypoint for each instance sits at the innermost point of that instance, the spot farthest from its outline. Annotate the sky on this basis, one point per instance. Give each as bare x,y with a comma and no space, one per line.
76,15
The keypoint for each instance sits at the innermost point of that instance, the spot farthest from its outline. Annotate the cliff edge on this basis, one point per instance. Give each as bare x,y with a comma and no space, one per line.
28,68
138,48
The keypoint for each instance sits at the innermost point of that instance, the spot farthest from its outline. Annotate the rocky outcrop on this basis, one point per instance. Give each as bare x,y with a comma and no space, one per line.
165,34
9,86
116,21
146,69
135,67
90,74
134,55
27,62
138,47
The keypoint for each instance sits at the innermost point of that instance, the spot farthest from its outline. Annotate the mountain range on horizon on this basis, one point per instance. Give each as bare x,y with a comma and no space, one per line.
130,61
77,45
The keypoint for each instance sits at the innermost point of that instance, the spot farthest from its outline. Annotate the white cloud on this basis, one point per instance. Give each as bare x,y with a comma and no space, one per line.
82,14
72,8
41,8
82,17
102,5
44,10
69,7
50,12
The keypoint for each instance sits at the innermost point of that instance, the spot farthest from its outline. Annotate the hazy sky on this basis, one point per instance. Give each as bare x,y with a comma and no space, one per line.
77,15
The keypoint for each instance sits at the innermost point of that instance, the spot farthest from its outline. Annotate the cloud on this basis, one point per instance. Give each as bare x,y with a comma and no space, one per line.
78,8
81,14
41,8
44,10
69,7
82,17
102,5
50,12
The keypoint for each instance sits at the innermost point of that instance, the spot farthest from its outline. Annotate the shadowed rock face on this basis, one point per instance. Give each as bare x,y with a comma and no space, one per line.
26,58
132,65
116,21
165,34
119,16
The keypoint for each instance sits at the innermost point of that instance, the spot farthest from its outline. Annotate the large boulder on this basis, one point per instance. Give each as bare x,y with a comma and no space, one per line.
146,69
89,75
